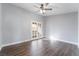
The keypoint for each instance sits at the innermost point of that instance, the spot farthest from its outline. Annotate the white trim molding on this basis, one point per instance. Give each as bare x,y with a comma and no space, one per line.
66,41
18,42
36,39
69,42
0,48
14,43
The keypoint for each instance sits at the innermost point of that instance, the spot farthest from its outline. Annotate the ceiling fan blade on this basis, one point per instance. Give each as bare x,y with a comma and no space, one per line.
48,8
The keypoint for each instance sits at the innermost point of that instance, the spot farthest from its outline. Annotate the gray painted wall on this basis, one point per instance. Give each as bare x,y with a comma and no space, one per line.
16,24
0,26
62,27
78,27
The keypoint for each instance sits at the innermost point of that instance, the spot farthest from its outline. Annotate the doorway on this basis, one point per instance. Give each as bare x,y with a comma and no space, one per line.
36,30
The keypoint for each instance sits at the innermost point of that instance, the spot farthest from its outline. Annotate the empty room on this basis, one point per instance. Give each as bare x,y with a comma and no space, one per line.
39,29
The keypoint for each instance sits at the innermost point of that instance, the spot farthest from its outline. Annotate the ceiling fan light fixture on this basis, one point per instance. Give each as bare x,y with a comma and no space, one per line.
43,8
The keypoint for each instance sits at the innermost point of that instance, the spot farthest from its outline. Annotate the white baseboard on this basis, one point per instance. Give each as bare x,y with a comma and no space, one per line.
69,42
66,41
18,42
0,48
36,39
13,43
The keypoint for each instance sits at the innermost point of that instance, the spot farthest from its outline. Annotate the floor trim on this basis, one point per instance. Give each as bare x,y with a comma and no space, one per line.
19,42
67,42
33,40
14,43
0,48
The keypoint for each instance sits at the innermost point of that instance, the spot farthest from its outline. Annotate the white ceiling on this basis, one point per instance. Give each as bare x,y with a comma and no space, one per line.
58,8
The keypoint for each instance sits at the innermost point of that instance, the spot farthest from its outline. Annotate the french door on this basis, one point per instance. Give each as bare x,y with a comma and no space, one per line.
36,30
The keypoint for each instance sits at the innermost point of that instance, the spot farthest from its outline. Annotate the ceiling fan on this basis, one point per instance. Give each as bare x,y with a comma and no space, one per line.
43,7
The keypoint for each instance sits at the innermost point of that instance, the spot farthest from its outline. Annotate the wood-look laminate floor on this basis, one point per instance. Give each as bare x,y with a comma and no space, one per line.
41,47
